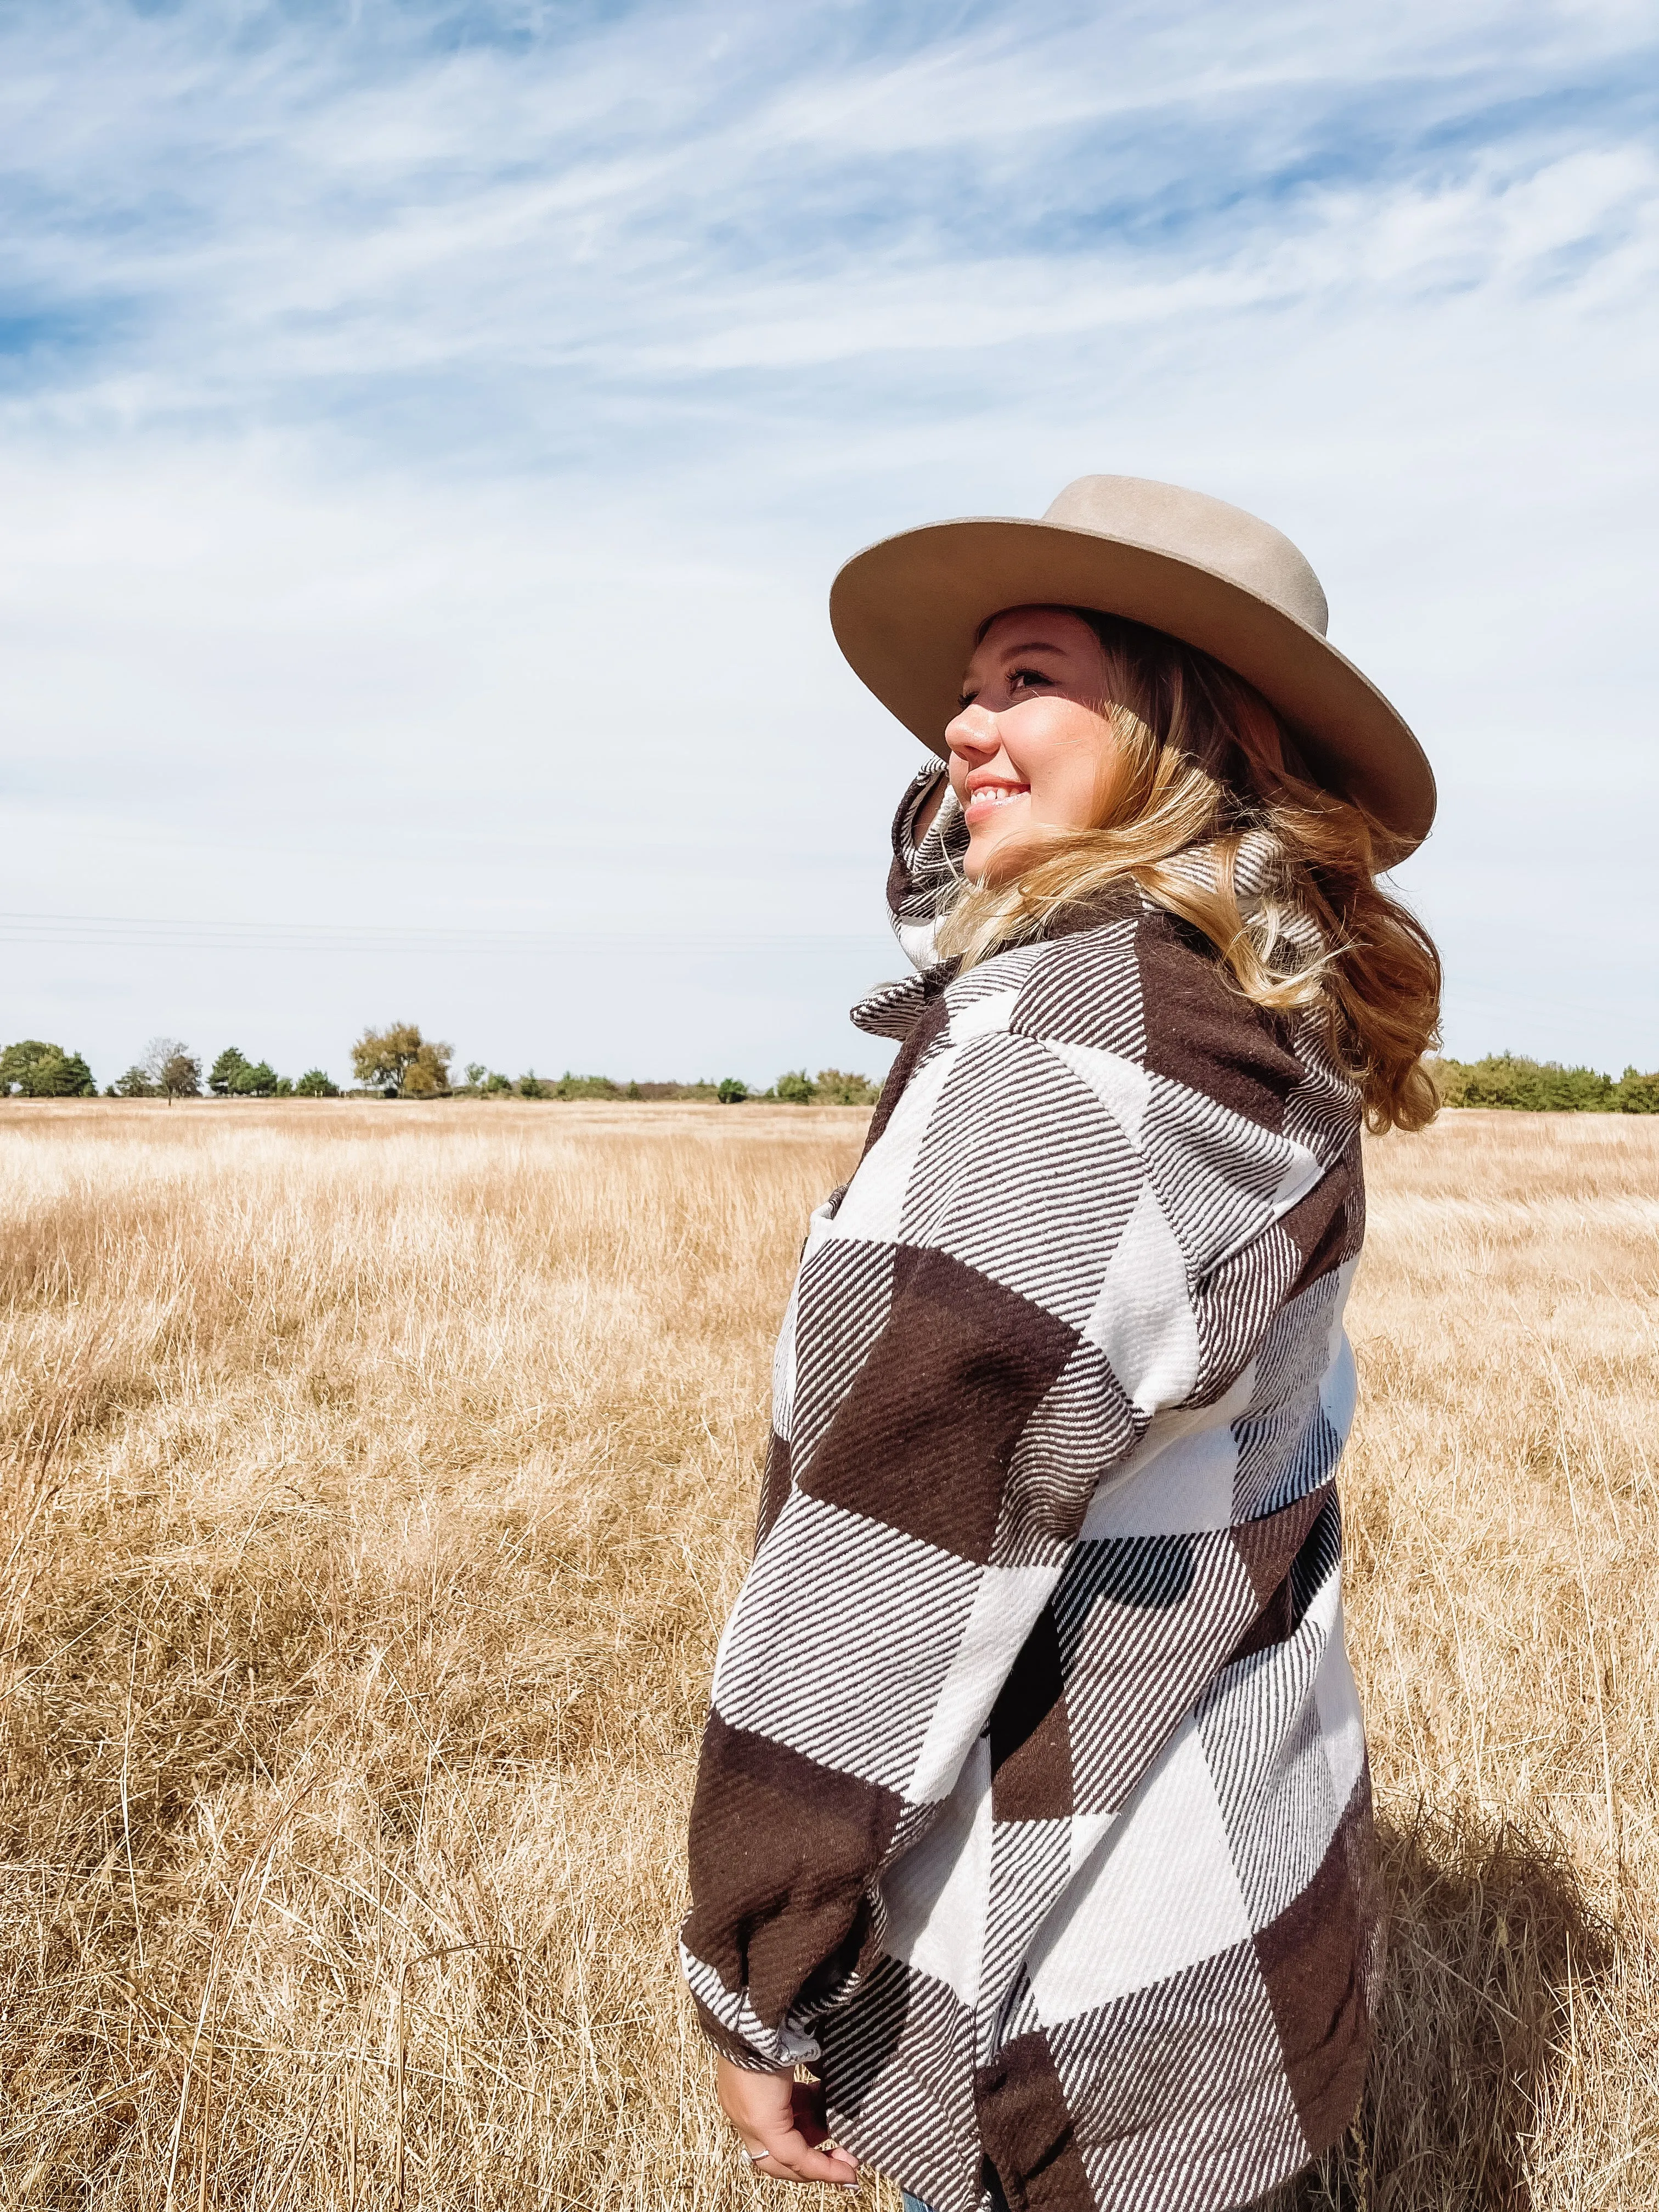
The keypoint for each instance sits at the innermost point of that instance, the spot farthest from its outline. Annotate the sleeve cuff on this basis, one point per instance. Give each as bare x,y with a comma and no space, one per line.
736,2030
733,2046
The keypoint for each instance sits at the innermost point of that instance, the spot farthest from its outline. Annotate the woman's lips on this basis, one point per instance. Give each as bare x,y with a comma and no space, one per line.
990,796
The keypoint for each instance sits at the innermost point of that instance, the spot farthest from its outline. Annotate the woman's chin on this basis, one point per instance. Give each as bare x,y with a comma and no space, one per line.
993,855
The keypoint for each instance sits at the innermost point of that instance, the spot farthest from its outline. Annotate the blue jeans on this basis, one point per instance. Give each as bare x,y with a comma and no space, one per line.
913,2204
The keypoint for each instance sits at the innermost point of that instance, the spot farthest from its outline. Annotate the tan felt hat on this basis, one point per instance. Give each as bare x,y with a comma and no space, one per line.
907,613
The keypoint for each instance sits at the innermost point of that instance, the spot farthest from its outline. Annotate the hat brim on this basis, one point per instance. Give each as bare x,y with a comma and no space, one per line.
907,613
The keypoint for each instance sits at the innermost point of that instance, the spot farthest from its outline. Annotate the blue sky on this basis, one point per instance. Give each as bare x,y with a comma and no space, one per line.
427,434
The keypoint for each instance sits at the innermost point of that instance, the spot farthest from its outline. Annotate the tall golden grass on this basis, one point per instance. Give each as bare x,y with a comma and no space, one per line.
376,1481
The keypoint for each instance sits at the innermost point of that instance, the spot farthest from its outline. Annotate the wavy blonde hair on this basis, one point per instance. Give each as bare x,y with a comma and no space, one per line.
1202,763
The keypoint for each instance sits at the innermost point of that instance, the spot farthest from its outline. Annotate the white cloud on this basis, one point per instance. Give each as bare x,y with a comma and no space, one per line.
422,458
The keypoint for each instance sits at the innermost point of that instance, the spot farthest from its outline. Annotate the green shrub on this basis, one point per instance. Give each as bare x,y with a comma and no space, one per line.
314,1083
1449,1077
586,1086
1508,1079
731,1093
831,1086
1637,1094
836,1088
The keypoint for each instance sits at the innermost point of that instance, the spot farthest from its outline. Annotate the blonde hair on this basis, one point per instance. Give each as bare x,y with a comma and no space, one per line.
1202,765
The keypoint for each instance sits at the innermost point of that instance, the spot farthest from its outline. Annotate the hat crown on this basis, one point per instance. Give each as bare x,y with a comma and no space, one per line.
1191,527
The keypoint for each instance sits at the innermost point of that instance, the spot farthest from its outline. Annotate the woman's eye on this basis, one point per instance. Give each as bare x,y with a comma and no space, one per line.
1029,676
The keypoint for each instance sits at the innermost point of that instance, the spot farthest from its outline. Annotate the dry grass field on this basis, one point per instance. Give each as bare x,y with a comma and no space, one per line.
376,1482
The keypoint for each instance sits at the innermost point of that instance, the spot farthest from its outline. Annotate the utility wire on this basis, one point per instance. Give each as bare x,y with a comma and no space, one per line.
200,933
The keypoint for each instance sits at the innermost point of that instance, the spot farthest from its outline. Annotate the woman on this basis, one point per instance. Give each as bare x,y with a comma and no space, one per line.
1033,1813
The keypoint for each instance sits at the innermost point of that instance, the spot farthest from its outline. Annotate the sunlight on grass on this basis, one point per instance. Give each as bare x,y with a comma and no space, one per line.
377,1481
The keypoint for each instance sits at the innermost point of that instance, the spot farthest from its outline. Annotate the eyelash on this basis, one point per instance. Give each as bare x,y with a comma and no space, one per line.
1016,675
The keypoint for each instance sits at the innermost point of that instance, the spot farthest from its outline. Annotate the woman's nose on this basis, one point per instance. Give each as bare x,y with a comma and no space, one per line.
973,733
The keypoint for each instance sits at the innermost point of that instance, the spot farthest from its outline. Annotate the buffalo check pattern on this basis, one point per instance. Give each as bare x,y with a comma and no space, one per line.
1033,1810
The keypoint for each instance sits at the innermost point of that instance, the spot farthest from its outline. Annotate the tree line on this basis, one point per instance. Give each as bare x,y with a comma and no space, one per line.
394,1062
398,1061
1542,1086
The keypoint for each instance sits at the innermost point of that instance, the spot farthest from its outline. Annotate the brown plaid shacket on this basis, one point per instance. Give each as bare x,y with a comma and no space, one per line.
1033,1810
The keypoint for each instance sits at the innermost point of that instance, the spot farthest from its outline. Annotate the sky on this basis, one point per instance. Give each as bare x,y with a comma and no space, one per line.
428,433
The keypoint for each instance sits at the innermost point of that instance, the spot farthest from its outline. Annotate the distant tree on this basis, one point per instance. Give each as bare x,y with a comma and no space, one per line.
633,1091
135,1084
180,1077
495,1083
222,1077
157,1053
426,1076
476,1073
399,1060
70,1079
314,1083
284,1087
532,1086
1637,1094
18,1061
40,1070
834,1087
794,1089
731,1093
258,1081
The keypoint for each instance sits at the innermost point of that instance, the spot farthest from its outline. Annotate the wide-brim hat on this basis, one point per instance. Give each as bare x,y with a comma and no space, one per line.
908,612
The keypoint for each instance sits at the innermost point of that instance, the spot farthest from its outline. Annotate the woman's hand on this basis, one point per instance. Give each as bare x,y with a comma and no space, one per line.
781,2122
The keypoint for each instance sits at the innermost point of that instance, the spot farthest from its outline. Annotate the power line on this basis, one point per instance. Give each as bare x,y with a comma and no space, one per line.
201,933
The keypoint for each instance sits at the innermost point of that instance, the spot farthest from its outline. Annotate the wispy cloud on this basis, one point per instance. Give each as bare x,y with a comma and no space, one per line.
409,411
270,206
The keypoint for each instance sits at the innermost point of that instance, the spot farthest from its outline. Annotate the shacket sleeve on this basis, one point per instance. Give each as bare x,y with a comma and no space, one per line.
983,1327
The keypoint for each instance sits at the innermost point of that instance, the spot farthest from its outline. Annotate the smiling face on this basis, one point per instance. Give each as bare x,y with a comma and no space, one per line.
1029,747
